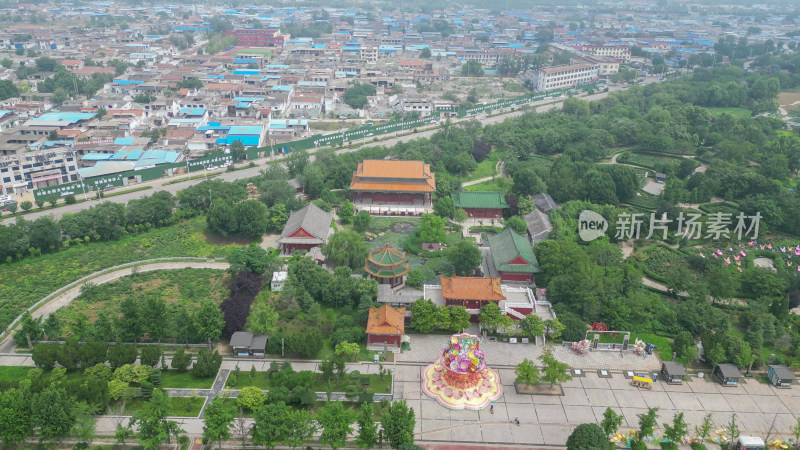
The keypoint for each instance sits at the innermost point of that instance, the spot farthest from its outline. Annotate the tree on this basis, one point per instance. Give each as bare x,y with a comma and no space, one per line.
26,205
270,428
6,63
424,316
459,318
217,420
472,68
361,221
297,162
425,53
398,424
301,427
52,414
151,355
262,319
207,364
209,321
121,354
532,326
431,228
348,350
346,248
527,373
356,96
251,217
367,430
587,435
702,431
238,151
151,421
15,416
335,422
490,317
444,207
676,431
465,257
733,429
527,182
346,212
611,421
251,398
253,259
553,370
181,360
45,355
647,423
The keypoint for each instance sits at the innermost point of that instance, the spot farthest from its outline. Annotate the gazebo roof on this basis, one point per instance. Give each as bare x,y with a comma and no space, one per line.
386,262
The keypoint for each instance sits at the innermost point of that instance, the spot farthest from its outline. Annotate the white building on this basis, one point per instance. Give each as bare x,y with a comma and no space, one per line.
278,278
620,52
556,77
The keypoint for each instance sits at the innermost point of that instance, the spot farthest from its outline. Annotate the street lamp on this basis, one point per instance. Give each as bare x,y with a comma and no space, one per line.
83,185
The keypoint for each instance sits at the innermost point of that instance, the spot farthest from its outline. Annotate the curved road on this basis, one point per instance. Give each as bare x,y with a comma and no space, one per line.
7,346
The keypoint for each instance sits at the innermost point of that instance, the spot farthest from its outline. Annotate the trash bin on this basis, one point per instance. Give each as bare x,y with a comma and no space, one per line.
649,349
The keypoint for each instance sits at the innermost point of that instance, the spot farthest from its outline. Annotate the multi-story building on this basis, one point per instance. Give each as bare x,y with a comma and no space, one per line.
555,77
35,170
620,52
257,37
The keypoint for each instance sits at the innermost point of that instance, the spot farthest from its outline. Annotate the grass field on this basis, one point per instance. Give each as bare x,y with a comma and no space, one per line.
12,375
31,279
179,406
253,51
184,379
498,184
736,113
262,381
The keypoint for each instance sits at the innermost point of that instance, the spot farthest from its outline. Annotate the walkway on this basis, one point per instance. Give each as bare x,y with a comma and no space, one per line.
499,170
100,277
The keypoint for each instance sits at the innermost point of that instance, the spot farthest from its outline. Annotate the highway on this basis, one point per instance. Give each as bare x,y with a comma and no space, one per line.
157,185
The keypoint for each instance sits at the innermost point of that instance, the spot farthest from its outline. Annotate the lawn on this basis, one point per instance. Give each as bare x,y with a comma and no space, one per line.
184,379
736,113
10,376
498,184
378,224
487,167
659,258
649,161
31,279
181,286
645,201
179,406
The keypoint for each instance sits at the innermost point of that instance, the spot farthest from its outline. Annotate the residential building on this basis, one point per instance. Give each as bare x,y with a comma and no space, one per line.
257,37
556,77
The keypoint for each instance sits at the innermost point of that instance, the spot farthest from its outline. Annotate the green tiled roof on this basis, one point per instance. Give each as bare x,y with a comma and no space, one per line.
508,246
479,199
386,262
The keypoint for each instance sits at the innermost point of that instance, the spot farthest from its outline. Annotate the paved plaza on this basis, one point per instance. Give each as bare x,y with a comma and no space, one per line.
425,348
548,420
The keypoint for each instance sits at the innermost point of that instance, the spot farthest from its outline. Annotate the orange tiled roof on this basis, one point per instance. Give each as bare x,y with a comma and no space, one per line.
386,320
471,288
380,175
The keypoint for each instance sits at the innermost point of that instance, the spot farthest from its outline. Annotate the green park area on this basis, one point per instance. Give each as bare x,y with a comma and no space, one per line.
266,53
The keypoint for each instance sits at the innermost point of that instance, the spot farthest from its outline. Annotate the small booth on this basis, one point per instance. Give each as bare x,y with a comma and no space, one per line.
673,372
780,376
727,374
750,443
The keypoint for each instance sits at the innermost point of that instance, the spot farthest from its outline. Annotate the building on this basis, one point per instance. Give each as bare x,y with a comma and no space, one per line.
278,279
544,203
512,258
620,52
557,77
393,187
257,37
306,228
245,343
780,376
387,265
481,204
673,372
538,225
473,293
727,374
37,170
386,326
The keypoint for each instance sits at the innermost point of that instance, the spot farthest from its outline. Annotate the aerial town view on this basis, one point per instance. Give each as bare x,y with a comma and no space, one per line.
407,225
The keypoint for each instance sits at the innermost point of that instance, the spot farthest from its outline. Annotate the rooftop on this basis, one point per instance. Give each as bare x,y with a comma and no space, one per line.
386,320
471,288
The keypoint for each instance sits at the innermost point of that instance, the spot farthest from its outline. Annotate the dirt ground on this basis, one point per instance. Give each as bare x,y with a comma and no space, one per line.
789,100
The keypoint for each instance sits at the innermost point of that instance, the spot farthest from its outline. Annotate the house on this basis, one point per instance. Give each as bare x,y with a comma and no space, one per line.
673,372
380,186
385,326
306,228
481,204
539,226
661,178
727,374
780,376
512,258
544,203
472,293
387,265
278,279
245,343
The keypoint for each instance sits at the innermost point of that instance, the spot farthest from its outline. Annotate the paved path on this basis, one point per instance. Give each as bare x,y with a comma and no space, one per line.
499,169
67,296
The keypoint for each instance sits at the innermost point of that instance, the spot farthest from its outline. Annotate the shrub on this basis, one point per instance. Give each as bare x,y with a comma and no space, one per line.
207,364
251,398
70,200
181,360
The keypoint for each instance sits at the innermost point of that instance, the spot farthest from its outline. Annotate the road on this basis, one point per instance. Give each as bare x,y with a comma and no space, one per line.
542,106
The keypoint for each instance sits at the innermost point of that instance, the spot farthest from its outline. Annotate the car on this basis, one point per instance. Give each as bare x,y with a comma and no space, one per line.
109,187
211,168
9,202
